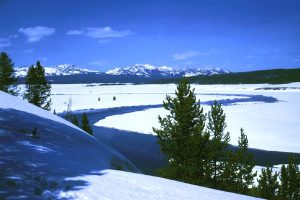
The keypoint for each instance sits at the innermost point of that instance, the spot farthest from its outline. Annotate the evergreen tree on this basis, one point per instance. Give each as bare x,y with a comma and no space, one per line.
229,175
8,81
37,88
246,163
182,137
75,120
290,181
85,124
219,143
268,184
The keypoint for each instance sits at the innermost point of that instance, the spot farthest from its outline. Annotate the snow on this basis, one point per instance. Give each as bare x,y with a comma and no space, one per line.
63,69
264,127
143,120
264,123
10,102
73,159
147,70
38,148
115,71
84,97
269,126
128,186
137,69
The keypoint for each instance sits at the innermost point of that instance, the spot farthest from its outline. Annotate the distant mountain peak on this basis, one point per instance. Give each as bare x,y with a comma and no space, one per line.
138,73
62,69
146,70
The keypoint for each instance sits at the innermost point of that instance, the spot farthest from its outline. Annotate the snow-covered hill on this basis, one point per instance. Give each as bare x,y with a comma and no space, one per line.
63,69
67,163
146,70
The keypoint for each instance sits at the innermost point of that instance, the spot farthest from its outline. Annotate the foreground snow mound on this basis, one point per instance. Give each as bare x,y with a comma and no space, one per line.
34,166
129,186
10,102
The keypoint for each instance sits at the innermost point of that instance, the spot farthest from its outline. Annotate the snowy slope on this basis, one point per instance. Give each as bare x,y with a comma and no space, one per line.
10,102
63,69
129,186
65,163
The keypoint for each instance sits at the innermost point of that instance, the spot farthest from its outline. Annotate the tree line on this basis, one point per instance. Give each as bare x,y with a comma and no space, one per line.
197,151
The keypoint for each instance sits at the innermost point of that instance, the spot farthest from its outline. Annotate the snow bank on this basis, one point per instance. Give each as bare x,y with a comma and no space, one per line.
11,102
115,185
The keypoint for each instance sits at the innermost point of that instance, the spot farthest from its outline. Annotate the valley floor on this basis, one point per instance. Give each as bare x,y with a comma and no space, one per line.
268,113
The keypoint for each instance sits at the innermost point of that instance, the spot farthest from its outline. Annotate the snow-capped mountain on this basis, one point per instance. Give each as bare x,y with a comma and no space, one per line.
63,69
141,70
146,70
203,71
138,73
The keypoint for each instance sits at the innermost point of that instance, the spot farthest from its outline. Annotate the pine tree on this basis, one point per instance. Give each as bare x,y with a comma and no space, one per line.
85,124
8,81
75,120
229,176
37,88
246,163
268,184
219,143
290,182
182,137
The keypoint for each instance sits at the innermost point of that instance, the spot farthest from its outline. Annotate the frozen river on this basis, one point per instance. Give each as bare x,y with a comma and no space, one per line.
268,113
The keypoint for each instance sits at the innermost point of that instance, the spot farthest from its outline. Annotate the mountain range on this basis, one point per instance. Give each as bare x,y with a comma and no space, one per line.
138,73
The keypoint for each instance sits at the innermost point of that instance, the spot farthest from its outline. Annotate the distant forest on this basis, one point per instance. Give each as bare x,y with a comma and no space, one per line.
273,76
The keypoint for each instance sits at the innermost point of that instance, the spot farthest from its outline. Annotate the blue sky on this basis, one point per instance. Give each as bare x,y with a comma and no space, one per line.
237,35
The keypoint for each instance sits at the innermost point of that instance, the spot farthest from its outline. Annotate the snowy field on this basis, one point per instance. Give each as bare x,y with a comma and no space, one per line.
269,126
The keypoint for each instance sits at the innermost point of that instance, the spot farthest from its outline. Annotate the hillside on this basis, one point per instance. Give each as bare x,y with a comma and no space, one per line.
64,162
273,76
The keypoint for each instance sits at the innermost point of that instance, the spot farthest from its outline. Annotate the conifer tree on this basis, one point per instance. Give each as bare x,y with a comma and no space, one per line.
37,88
219,143
290,181
229,175
74,120
8,81
245,165
182,137
85,124
268,184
